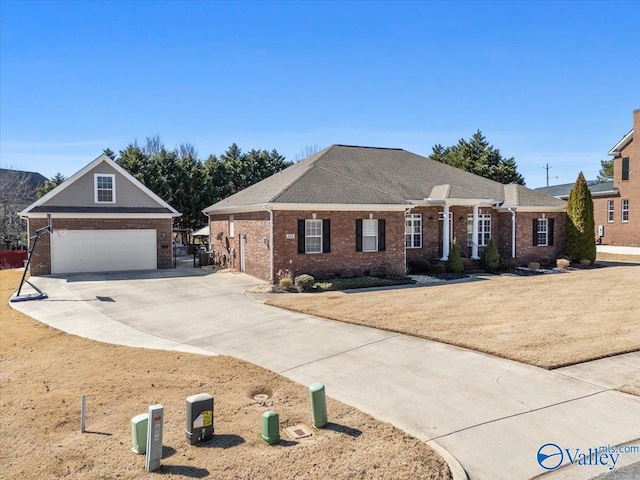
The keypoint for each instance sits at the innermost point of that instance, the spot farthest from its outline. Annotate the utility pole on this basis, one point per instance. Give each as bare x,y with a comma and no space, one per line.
547,167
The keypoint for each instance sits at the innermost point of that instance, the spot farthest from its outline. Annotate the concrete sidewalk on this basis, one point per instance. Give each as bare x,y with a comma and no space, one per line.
491,414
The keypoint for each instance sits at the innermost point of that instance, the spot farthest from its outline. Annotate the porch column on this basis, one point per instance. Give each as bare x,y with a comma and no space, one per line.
474,234
445,233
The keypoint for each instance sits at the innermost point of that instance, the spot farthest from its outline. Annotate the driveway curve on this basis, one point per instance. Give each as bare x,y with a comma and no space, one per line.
491,414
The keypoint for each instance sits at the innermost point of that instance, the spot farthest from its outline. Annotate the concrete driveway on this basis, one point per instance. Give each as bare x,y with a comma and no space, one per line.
491,414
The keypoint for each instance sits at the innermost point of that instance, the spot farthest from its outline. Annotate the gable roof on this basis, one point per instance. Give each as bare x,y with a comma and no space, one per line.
563,191
39,206
352,175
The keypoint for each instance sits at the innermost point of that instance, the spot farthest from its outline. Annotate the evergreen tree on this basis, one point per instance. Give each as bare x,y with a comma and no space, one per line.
477,156
606,171
491,256
50,184
454,260
580,240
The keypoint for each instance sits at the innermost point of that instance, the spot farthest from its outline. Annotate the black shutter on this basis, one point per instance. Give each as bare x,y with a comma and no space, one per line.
550,232
301,235
382,243
625,168
535,232
326,235
358,235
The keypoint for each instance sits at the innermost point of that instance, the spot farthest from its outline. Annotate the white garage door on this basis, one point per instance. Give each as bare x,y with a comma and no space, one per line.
102,250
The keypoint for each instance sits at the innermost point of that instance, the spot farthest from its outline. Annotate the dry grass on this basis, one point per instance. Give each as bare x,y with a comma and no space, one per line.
548,320
632,388
44,372
614,257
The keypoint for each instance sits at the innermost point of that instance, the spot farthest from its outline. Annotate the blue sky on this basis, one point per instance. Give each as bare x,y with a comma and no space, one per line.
546,82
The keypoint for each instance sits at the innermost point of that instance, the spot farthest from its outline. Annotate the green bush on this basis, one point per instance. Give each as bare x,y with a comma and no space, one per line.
454,261
418,266
305,281
580,241
491,256
439,268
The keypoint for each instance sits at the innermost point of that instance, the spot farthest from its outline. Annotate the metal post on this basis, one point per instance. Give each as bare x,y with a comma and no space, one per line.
83,411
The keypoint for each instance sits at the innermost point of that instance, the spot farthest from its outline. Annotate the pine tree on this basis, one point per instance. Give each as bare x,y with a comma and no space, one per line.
491,256
606,171
580,240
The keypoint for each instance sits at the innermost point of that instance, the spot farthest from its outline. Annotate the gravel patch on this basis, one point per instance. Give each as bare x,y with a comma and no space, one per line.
424,279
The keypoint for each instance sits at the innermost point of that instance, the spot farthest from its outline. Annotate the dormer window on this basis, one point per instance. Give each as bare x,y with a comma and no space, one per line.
105,188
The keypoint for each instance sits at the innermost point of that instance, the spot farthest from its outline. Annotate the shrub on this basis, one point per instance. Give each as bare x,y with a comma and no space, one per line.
439,268
562,263
418,265
508,264
395,271
545,262
285,282
491,256
585,262
454,261
534,266
305,281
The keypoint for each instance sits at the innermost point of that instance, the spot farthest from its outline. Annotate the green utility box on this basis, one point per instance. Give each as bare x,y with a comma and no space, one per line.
139,425
270,427
199,426
318,404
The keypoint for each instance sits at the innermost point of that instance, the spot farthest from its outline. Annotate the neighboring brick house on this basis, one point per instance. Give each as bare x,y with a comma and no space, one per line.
360,210
103,219
616,204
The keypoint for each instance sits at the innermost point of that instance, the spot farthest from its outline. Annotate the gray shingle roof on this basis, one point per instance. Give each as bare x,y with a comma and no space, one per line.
66,209
563,191
342,174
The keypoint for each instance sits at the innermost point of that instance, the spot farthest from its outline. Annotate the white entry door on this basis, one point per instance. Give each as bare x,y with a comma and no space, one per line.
74,251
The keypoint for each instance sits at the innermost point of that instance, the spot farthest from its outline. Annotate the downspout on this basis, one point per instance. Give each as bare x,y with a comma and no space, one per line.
271,262
513,233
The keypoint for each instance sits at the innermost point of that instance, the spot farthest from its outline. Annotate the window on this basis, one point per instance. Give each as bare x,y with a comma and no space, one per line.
610,211
370,235
625,210
313,236
413,230
484,229
105,188
543,231
232,229
625,168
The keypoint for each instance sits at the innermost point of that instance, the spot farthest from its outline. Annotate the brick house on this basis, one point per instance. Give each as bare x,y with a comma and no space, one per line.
103,219
351,210
616,204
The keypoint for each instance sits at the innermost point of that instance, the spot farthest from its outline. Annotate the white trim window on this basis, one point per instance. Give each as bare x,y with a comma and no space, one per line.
104,188
313,236
369,235
484,229
611,212
413,230
625,211
543,232
232,226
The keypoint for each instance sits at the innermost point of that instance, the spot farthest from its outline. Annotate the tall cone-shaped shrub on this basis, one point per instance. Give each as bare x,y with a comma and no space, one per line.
580,239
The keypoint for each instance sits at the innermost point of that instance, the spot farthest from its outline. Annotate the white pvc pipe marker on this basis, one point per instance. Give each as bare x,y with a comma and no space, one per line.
83,411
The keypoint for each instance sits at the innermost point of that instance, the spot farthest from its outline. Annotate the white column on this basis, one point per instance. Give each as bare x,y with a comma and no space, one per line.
445,233
474,234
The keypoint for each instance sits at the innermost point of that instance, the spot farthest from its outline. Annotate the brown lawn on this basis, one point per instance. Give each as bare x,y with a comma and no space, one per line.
44,372
548,320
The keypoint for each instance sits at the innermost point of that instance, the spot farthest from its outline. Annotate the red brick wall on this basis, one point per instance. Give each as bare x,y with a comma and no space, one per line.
618,232
343,260
254,227
525,251
41,259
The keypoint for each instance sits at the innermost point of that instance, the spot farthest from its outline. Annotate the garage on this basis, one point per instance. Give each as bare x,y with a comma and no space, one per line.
75,251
